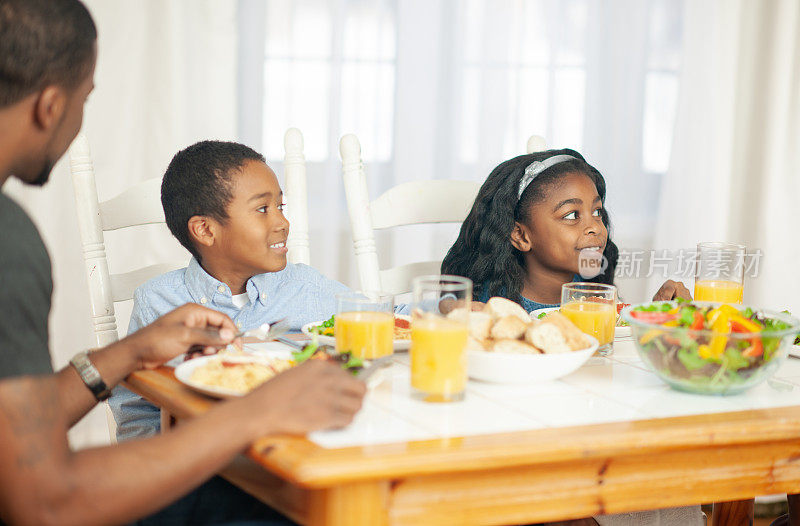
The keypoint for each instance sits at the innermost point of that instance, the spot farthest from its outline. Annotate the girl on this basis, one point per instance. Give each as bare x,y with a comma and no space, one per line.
535,220
539,222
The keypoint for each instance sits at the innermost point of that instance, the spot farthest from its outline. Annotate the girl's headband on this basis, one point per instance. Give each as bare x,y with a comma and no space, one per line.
537,167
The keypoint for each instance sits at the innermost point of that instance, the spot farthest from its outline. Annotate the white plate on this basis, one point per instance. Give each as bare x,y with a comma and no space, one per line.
513,368
399,345
183,372
794,350
619,332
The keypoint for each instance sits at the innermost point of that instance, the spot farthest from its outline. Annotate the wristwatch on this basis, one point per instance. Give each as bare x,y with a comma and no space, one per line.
90,376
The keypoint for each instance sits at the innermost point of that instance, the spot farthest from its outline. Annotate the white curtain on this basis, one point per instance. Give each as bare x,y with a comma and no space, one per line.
448,89
165,78
734,170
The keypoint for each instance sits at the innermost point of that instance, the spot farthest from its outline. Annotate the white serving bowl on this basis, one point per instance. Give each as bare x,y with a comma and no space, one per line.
513,368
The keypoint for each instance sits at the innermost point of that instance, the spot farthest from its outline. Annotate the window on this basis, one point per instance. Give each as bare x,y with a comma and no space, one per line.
318,52
449,89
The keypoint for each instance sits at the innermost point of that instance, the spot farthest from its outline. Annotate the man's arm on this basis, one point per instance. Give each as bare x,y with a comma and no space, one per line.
150,346
42,482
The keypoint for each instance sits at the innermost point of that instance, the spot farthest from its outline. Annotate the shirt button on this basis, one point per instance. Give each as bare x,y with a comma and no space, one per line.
239,324
263,295
203,300
221,288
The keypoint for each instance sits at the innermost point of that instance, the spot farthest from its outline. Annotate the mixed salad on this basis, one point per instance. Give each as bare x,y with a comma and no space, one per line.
314,351
708,347
326,328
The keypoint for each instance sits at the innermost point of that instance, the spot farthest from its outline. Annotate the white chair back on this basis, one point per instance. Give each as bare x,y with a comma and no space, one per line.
296,197
139,205
409,203
536,143
417,202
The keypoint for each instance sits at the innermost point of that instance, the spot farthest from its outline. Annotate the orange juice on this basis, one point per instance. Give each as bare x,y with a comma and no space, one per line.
366,334
595,319
438,358
718,291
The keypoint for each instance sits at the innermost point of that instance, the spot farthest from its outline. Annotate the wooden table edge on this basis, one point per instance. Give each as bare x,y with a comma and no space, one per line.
308,465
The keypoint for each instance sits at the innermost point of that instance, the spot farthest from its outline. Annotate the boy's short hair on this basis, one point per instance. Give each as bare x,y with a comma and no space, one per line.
43,42
198,182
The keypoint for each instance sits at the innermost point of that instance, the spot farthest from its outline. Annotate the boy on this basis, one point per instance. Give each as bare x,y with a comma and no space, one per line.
224,205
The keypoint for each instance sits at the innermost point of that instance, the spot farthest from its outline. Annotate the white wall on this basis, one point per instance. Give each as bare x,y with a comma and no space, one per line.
165,78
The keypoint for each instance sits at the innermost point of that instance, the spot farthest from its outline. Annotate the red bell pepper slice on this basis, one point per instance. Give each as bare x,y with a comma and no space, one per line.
653,317
699,319
402,323
755,350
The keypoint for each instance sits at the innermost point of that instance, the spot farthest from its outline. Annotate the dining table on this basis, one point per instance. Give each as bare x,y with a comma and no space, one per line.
609,438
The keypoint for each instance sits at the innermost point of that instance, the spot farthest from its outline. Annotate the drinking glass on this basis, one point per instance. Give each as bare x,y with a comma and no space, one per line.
439,321
593,308
719,274
364,324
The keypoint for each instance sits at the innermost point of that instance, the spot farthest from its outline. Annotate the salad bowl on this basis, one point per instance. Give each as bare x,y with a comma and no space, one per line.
709,348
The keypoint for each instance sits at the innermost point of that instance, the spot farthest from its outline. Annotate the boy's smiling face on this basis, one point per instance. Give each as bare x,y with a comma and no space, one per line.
565,222
253,238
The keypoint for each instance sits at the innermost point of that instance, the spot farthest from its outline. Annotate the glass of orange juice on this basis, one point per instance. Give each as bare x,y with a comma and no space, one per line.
439,320
719,274
593,308
364,324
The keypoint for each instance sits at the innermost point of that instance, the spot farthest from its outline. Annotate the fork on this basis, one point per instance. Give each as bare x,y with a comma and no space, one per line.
267,331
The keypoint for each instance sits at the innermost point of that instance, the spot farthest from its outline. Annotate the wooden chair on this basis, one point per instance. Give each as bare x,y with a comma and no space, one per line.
417,202
139,205
296,196
136,206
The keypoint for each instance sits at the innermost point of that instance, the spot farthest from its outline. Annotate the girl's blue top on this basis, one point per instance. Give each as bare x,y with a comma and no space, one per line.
527,304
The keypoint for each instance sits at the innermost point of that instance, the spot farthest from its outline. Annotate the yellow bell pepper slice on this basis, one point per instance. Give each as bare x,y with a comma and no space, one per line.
718,344
650,336
704,351
747,324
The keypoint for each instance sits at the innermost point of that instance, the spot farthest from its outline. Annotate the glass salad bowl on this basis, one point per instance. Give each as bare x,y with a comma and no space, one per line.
710,348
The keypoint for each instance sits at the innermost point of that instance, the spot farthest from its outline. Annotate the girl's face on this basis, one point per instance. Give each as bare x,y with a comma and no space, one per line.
565,222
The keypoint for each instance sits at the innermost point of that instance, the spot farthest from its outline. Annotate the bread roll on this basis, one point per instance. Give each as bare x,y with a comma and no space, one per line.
514,346
508,327
474,344
576,339
555,334
501,307
480,324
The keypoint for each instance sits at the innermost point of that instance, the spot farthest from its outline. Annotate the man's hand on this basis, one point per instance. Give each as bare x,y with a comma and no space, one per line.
671,290
315,395
189,327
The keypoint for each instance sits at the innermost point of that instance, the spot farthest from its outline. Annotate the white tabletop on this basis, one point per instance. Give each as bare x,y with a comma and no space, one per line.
618,388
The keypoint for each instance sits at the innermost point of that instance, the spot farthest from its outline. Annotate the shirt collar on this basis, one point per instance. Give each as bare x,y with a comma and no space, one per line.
206,289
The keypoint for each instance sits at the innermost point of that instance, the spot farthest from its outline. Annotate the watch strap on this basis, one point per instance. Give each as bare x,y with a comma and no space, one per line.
90,376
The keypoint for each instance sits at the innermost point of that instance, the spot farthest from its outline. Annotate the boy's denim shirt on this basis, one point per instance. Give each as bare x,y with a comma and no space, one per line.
297,292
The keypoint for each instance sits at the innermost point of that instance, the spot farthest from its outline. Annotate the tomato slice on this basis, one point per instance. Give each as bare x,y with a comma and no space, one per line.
698,322
653,317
